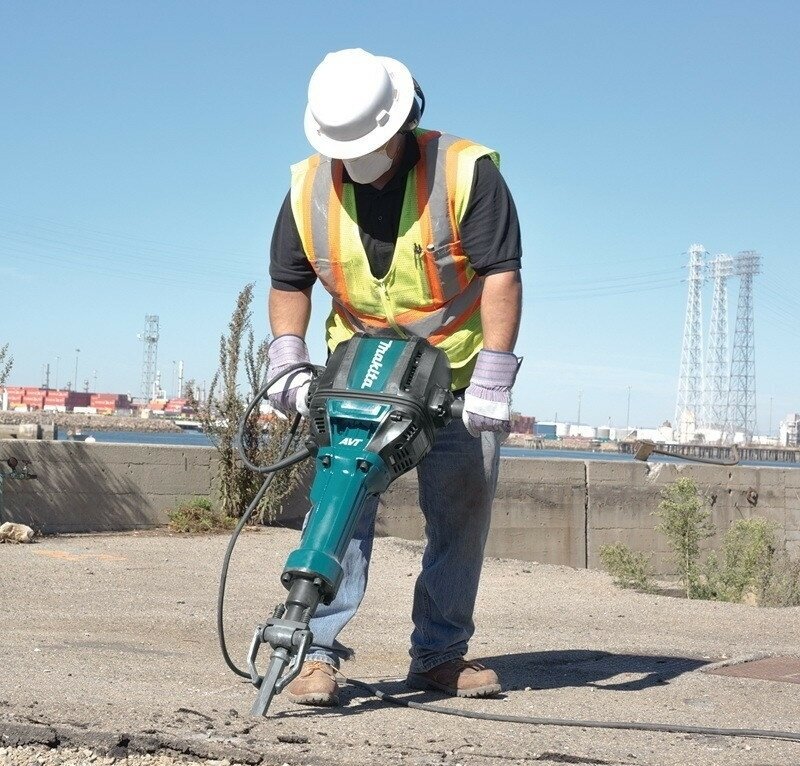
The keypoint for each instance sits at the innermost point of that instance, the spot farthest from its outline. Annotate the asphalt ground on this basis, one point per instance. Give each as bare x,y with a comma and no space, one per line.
108,643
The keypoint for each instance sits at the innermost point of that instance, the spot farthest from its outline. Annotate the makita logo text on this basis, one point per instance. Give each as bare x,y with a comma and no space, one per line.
376,364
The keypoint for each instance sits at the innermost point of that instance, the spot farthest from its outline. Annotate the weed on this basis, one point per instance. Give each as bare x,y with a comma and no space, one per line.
781,583
223,409
6,363
685,520
198,515
628,568
748,553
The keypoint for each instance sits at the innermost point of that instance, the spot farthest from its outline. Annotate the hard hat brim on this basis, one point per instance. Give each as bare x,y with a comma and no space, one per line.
403,83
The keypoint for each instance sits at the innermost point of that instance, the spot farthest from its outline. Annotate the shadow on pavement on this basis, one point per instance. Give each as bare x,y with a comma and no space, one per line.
573,668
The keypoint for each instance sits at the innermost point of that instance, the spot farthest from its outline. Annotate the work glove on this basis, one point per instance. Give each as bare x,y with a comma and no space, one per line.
288,393
487,400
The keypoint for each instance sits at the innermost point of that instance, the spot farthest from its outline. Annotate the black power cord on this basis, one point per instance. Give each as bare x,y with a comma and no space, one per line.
283,462
789,736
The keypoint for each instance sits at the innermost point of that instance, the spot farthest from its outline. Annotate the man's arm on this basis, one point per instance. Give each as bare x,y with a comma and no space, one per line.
501,308
289,311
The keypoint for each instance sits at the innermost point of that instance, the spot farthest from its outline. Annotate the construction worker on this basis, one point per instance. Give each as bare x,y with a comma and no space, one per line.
412,232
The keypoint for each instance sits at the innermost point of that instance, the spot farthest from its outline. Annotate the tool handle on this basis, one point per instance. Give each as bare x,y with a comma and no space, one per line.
457,409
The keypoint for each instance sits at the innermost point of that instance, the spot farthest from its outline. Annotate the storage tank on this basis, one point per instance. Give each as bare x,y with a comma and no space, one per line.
604,433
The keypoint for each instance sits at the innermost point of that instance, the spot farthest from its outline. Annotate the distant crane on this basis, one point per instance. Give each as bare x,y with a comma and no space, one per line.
149,340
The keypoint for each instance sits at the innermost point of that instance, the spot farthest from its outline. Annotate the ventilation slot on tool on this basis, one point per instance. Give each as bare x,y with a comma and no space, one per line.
319,424
412,371
403,460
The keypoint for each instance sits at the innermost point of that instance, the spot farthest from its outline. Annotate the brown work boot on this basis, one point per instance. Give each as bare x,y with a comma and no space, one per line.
315,685
458,678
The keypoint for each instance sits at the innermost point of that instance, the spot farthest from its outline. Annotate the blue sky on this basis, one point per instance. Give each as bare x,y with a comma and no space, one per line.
145,150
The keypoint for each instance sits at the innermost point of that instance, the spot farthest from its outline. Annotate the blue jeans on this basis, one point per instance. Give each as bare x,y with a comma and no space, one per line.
457,481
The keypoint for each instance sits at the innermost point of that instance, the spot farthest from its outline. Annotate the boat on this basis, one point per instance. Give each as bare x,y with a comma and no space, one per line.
189,425
77,436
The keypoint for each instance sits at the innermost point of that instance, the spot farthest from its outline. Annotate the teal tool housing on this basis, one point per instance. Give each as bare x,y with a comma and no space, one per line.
374,413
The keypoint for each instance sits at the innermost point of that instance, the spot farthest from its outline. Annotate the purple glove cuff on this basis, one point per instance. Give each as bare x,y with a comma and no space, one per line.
286,350
495,369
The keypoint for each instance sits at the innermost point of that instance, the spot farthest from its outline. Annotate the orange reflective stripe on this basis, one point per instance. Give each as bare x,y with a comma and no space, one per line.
456,323
365,319
451,163
308,190
335,212
424,217
362,316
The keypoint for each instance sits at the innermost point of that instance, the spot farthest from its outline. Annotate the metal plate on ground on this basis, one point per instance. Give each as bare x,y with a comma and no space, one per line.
786,669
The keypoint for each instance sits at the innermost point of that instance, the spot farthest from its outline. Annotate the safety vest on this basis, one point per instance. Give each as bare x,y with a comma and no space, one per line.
430,290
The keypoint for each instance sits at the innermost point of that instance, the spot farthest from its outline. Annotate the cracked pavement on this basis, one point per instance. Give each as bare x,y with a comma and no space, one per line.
109,645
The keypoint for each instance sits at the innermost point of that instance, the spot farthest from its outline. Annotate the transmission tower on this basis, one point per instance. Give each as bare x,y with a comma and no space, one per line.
717,377
742,398
149,340
690,384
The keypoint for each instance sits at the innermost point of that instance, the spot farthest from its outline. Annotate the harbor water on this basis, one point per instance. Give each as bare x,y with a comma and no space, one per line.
199,439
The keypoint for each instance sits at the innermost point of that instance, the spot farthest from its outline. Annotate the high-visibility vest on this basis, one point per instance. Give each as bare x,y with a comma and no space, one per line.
430,290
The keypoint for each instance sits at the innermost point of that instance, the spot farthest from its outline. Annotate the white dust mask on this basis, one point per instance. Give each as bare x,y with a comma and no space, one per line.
370,167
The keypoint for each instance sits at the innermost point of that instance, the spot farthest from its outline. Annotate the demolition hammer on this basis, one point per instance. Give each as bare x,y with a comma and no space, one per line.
373,415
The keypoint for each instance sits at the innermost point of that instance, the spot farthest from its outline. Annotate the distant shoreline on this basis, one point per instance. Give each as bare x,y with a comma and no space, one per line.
577,445
70,421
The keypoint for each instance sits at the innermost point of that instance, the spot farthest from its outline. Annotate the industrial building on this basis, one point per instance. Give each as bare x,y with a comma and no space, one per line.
789,434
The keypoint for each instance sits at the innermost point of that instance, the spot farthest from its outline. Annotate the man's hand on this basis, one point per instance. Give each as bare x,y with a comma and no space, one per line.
288,393
487,401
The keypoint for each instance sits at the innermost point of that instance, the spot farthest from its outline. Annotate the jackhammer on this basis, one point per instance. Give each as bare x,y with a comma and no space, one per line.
373,415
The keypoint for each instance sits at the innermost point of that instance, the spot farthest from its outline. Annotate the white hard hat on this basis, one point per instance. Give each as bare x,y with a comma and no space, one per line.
356,103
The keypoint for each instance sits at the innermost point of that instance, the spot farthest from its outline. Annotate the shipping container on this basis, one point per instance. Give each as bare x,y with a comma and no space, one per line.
546,430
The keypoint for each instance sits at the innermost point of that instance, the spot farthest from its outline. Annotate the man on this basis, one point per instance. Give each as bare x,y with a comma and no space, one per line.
412,232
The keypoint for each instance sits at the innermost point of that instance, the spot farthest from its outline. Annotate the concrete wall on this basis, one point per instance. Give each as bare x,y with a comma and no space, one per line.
553,511
539,512
103,487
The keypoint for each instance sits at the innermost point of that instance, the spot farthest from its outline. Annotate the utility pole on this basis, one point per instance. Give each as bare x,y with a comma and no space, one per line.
628,412
75,378
690,383
58,358
742,396
717,377
580,396
770,417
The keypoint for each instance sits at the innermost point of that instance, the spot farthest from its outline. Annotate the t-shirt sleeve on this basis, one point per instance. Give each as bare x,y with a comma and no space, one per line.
490,227
289,268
